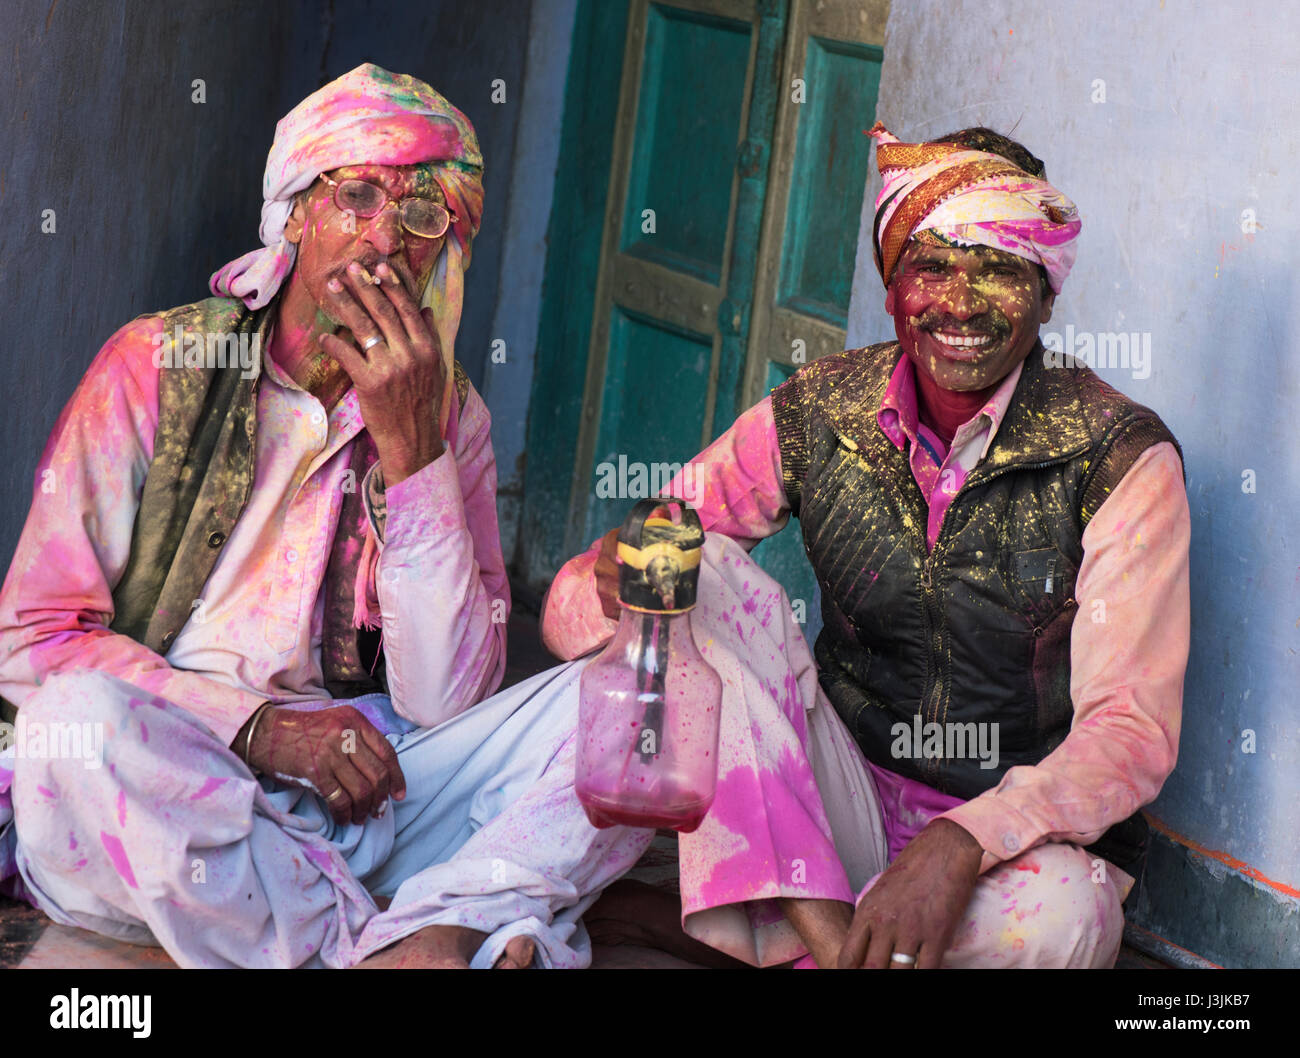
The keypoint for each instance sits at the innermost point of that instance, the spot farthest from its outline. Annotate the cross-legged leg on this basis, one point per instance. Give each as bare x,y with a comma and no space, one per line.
524,860
173,840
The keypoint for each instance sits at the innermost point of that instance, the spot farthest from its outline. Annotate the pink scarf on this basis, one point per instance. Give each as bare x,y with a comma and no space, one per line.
973,198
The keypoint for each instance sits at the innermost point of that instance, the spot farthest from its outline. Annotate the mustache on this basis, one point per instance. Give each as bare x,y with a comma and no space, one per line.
991,324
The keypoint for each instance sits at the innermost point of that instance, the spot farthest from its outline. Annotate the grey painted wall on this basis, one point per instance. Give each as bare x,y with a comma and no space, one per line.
152,192
508,371
1198,125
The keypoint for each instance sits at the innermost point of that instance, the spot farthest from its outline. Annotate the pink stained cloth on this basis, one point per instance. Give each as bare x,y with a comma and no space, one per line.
1127,690
1023,215
439,579
368,116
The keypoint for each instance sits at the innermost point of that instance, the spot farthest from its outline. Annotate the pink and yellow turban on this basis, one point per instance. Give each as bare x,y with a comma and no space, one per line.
367,116
972,198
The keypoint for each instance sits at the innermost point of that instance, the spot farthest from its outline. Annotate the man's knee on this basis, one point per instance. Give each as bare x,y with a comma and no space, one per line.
1054,906
63,738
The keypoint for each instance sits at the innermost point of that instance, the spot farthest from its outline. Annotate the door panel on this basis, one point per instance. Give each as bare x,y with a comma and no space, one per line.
652,367
830,165
656,383
693,77
810,227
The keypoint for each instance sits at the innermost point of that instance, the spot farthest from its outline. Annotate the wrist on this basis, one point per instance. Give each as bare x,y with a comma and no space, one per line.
253,734
963,845
397,466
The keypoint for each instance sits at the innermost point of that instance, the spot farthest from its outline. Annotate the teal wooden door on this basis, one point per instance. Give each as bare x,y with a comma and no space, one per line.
687,185
728,230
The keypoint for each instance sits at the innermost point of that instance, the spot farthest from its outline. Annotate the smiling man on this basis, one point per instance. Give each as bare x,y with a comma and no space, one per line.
207,581
1002,550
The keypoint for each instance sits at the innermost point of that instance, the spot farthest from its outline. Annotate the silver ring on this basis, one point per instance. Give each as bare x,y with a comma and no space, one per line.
370,343
899,957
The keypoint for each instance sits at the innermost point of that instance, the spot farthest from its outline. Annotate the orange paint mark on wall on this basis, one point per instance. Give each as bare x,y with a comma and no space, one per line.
1241,866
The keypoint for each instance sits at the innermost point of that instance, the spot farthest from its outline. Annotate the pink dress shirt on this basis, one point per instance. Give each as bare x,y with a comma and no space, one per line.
255,635
1128,645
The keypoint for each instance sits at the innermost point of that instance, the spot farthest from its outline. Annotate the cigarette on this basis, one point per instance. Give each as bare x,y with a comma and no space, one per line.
366,277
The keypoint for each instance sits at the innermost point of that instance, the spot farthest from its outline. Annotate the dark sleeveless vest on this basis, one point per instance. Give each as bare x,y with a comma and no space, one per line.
977,631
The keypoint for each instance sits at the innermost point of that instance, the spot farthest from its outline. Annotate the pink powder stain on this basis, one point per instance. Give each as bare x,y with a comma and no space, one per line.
1065,879
118,855
144,731
121,808
209,787
774,806
792,703
72,840
1026,865
320,859
45,793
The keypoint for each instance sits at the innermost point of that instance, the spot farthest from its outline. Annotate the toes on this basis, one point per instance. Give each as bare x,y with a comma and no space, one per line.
518,954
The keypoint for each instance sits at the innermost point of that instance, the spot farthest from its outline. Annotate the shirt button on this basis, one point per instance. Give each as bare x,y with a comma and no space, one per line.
318,417
216,539
1011,843
291,555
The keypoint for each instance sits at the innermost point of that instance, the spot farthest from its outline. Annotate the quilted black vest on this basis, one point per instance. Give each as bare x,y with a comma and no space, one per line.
978,630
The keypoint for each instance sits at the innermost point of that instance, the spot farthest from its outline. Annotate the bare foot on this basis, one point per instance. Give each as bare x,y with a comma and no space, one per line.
823,926
518,954
631,912
432,948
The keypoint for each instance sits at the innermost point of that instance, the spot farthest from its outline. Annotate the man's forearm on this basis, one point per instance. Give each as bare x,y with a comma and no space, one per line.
443,592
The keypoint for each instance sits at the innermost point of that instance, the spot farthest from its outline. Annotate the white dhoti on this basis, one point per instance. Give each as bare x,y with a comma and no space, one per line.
173,841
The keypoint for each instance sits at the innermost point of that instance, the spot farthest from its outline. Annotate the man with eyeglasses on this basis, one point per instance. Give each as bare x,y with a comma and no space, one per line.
203,591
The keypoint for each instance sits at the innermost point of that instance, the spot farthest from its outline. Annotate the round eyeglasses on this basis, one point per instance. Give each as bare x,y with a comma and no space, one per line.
420,216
